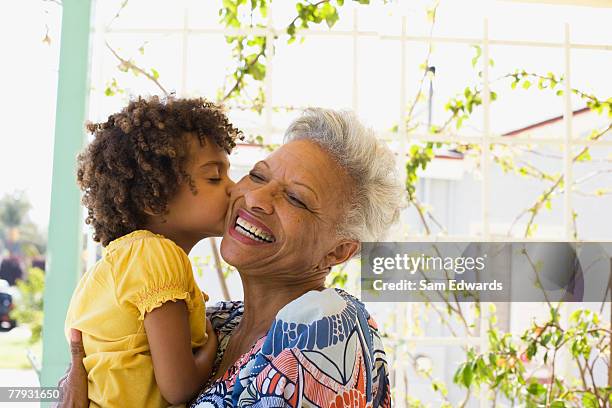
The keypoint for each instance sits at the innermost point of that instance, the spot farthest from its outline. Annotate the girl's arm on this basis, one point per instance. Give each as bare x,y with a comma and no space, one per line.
179,373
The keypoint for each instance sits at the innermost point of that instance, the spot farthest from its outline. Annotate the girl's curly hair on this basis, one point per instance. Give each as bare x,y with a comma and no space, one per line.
137,159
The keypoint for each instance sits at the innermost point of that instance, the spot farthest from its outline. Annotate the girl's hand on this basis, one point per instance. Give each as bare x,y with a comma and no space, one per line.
206,355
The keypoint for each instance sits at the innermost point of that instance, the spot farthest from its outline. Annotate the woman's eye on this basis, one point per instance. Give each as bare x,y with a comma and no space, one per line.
214,180
256,177
295,201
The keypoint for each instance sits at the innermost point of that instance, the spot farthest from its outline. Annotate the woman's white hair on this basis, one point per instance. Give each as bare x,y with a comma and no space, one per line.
378,194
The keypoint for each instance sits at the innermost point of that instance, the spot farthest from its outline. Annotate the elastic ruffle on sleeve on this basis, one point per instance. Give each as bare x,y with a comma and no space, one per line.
149,301
151,271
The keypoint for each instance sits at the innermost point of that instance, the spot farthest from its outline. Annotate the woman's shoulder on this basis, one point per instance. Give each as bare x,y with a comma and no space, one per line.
318,320
315,305
332,336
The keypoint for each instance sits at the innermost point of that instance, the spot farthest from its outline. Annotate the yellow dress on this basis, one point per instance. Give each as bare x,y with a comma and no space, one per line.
137,273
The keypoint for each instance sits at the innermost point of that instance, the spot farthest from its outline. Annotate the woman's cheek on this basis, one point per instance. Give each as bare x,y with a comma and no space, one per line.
239,191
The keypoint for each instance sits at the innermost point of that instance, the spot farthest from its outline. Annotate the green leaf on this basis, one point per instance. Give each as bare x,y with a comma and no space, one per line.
431,15
329,13
263,8
258,71
154,73
526,85
467,375
477,56
291,29
589,400
584,156
531,350
548,204
536,388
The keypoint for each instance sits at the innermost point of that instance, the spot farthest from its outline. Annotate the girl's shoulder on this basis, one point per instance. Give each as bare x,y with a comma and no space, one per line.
144,249
148,270
138,238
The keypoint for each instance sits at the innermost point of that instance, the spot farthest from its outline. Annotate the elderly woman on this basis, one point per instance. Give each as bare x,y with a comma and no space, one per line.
298,213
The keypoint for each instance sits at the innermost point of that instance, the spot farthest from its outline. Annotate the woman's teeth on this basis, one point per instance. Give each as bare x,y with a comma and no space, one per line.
243,227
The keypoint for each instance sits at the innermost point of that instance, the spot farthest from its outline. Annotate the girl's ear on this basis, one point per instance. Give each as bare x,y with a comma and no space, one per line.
342,252
149,212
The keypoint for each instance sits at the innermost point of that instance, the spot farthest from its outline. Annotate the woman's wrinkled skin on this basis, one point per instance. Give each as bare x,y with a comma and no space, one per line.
299,195
74,384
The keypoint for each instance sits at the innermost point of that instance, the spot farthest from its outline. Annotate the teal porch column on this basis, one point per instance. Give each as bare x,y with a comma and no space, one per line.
65,222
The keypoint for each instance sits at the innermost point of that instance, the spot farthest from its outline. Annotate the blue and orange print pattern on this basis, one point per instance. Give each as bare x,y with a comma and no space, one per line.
323,350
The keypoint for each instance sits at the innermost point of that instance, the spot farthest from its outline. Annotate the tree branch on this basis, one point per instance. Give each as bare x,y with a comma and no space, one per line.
130,65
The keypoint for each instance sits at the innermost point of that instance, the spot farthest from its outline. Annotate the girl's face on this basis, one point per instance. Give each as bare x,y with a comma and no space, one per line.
198,211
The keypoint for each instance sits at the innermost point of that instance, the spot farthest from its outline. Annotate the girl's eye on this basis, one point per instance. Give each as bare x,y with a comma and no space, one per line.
295,201
214,180
256,177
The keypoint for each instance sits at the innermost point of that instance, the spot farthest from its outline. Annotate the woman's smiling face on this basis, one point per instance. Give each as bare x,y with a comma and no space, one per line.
284,214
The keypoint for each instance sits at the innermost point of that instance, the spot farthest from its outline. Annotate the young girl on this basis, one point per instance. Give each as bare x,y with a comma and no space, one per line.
155,183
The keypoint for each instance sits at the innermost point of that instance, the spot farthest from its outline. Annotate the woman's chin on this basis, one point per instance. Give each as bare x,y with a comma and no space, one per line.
239,252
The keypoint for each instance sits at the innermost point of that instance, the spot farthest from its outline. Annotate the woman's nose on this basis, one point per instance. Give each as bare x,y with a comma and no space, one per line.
261,199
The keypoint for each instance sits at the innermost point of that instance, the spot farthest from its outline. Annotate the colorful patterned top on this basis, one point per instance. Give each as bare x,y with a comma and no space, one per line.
323,350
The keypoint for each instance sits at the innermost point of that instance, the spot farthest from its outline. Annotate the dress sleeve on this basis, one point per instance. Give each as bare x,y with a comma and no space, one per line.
150,272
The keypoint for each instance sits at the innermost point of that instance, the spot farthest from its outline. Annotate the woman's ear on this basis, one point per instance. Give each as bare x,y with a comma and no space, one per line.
342,252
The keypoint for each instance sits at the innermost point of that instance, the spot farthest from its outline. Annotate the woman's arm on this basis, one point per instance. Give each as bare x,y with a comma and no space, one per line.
179,373
73,386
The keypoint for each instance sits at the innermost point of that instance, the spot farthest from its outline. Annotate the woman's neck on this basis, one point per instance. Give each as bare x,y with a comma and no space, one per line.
263,301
